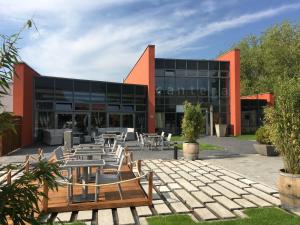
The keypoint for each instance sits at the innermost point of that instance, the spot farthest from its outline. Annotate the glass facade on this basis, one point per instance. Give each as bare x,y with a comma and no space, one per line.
85,106
203,81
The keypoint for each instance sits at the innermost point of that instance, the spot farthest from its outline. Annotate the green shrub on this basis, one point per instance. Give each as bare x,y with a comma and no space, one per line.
192,122
262,136
283,123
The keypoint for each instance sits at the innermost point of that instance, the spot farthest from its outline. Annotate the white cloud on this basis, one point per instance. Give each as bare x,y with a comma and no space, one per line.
87,39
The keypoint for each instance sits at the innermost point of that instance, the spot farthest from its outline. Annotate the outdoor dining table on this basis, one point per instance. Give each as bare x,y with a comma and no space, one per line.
85,164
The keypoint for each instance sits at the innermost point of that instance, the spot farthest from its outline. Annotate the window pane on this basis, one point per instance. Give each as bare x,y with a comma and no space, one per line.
44,105
202,86
127,120
159,63
203,73
160,120
114,120
140,122
98,91
186,86
169,63
180,73
213,65
98,120
113,107
191,65
180,64
128,94
81,124
63,106
213,73
140,108
45,120
224,65
64,90
159,72
214,87
169,86
192,73
98,107
202,65
82,106
64,121
81,91
113,93
127,108
159,84
170,73
224,85
44,88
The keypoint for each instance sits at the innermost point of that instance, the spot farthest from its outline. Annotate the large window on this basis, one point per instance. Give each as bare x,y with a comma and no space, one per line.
64,90
114,120
81,91
81,124
113,93
64,121
44,88
127,120
98,120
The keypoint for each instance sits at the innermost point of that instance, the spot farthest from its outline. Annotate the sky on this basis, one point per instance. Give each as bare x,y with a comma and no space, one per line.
103,39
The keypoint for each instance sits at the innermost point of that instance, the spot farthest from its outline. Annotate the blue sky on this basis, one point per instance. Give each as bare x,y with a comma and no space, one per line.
102,39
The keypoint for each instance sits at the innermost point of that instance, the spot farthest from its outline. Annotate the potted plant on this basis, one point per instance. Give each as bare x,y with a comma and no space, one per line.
220,129
264,145
192,124
283,123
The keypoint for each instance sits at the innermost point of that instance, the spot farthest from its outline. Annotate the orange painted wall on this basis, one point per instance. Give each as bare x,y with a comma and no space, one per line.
235,103
265,96
23,100
143,73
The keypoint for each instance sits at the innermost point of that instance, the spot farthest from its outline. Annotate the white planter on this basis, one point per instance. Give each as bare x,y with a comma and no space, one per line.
221,130
190,151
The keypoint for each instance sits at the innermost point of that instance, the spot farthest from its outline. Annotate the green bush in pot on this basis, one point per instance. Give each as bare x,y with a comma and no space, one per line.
262,136
192,124
283,124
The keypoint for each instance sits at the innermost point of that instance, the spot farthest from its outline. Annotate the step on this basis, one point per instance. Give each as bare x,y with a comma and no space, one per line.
174,186
125,216
105,216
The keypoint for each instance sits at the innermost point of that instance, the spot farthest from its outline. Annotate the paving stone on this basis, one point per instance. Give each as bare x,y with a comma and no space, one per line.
187,185
276,195
186,176
185,168
197,183
174,186
230,174
201,171
244,203
208,190
143,221
256,200
220,210
207,169
125,216
165,178
240,214
158,171
264,188
233,188
155,195
204,180
211,177
217,173
224,191
167,170
247,181
163,188
194,174
154,202
88,223
202,197
214,167
143,211
227,202
162,209
234,182
264,196
175,175
179,207
176,169
85,215
169,164
63,217
105,216
192,166
191,201
170,197
176,162
205,214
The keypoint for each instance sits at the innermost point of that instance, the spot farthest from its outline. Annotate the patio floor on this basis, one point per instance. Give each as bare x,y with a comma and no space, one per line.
197,188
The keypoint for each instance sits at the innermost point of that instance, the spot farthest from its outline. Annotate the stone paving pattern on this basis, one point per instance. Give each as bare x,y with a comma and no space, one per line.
196,188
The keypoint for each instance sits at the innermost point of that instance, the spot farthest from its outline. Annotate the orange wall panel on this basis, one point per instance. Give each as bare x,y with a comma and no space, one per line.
235,103
143,73
23,100
265,96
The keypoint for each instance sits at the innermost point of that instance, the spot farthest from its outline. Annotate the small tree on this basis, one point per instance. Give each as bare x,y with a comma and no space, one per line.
192,122
283,123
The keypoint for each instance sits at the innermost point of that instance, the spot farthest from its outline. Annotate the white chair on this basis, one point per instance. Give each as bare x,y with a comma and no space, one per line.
143,143
114,157
162,134
137,138
125,137
168,142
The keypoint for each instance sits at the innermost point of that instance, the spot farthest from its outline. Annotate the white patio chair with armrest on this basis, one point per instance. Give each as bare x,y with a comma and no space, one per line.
162,134
112,177
137,138
61,156
144,143
120,137
168,142
113,159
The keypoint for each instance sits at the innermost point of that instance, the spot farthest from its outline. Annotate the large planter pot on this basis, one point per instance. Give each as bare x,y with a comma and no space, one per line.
289,191
190,151
221,130
267,150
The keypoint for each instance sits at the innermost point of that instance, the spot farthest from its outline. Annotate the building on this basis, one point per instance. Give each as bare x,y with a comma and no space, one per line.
150,98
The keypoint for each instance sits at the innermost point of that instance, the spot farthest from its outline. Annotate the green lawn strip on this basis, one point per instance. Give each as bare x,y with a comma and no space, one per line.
258,216
177,138
246,137
73,223
203,146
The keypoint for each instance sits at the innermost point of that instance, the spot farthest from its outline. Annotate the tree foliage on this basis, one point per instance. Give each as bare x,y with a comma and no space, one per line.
283,123
192,122
269,58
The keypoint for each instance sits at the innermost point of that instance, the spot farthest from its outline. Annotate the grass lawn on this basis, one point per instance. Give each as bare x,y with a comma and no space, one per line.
258,216
177,138
204,146
74,223
247,137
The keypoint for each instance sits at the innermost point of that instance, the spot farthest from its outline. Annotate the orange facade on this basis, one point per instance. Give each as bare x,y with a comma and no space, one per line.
23,100
143,73
235,103
265,96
